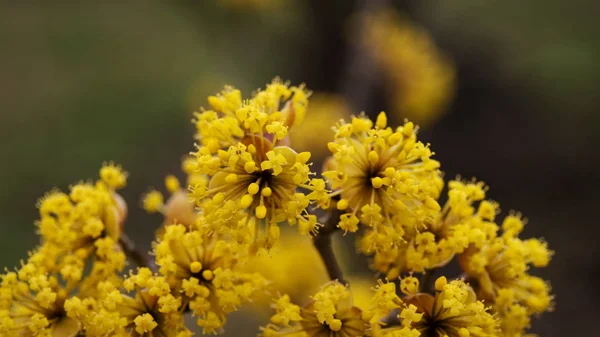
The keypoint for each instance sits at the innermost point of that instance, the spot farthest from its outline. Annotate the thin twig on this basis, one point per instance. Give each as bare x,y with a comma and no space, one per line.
427,281
323,244
139,258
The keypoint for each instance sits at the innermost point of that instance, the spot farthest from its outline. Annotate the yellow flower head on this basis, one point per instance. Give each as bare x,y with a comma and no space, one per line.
503,263
34,307
33,300
113,175
153,201
386,178
84,227
204,269
243,152
330,313
465,219
145,307
268,114
454,311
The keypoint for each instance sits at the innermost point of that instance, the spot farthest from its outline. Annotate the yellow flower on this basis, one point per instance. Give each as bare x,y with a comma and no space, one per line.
384,301
503,263
113,176
450,231
31,302
513,316
231,120
153,201
204,269
153,310
421,79
250,169
454,311
330,313
409,285
84,227
386,178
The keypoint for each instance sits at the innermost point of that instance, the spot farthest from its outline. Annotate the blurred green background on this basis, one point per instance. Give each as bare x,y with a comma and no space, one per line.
88,82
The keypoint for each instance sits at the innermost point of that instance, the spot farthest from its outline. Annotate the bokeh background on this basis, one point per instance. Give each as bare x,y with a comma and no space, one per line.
505,91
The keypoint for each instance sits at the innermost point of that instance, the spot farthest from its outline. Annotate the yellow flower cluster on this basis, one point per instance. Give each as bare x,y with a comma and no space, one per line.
216,248
79,252
453,311
31,300
385,181
420,77
70,284
145,306
500,266
385,178
243,151
206,272
329,313
86,224
466,219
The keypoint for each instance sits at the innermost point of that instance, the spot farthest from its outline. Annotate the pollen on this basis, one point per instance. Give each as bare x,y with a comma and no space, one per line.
261,212
342,204
208,275
253,188
195,267
377,182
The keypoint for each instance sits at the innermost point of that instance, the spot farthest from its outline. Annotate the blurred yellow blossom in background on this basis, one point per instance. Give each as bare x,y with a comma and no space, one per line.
295,268
420,77
325,110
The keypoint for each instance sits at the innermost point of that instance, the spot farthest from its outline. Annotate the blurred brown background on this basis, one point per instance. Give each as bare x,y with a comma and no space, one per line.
88,82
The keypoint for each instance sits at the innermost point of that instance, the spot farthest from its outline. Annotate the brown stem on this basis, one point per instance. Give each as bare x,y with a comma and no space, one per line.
139,258
323,244
427,281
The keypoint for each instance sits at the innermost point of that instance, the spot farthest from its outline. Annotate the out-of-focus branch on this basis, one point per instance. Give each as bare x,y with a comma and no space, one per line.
427,281
323,244
139,258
